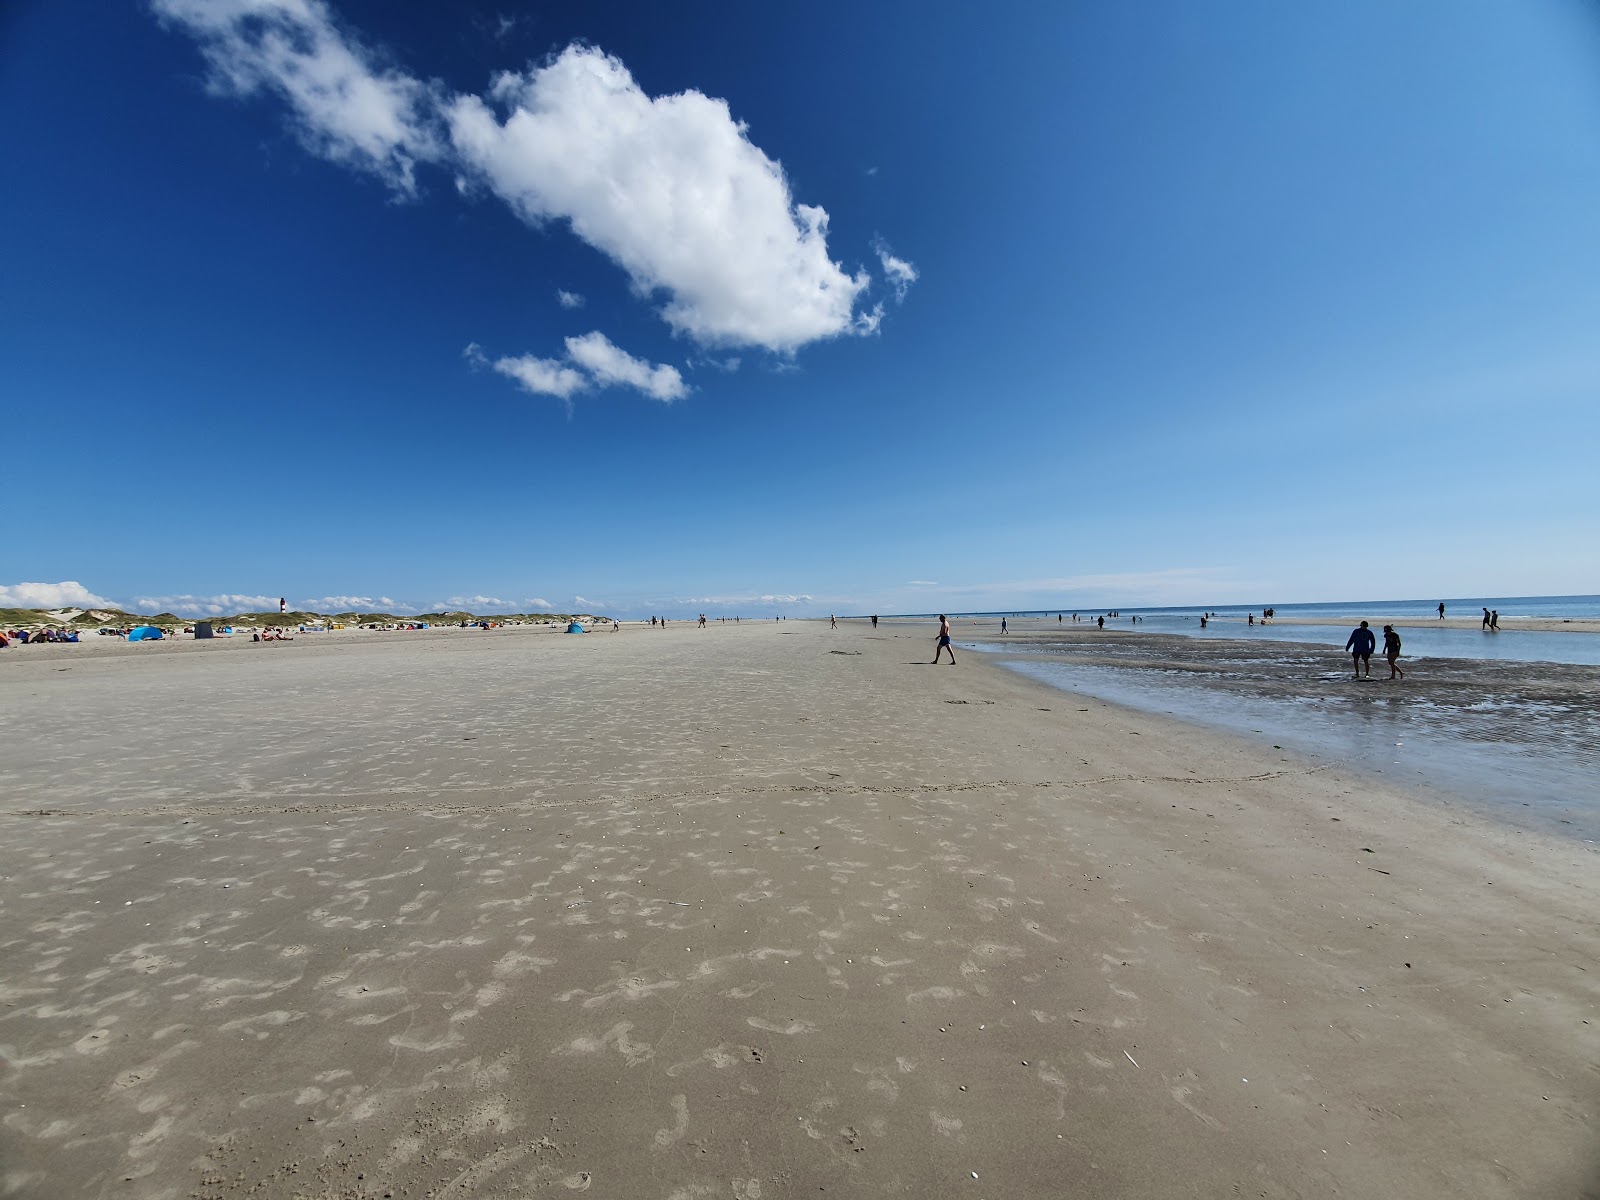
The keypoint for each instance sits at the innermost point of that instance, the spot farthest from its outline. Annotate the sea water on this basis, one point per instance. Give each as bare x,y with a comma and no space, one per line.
1515,645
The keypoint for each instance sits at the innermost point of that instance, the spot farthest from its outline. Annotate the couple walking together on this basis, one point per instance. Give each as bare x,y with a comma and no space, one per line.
1363,641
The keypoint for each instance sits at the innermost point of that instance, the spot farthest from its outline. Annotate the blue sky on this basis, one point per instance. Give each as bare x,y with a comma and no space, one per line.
1113,304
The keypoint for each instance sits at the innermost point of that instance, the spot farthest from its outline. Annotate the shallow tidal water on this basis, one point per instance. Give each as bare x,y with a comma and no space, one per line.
1521,745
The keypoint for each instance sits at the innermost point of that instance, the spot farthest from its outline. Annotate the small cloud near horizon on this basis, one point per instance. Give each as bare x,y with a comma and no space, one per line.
69,593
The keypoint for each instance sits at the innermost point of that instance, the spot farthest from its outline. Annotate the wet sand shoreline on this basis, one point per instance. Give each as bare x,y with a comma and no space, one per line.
752,911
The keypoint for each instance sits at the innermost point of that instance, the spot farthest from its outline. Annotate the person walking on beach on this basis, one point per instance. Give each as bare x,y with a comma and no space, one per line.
1494,620
1486,618
944,641
1441,610
1102,621
874,620
833,622
1002,625
1391,651
1360,645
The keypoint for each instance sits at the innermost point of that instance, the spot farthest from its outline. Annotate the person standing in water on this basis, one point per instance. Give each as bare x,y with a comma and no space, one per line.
944,641
1360,645
1486,618
1441,610
1391,651
1494,620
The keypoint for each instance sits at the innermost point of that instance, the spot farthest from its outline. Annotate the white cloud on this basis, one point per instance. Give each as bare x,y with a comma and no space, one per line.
538,604
922,583
670,188
592,359
587,604
329,604
69,593
608,364
900,274
569,299
346,107
222,604
542,376
475,604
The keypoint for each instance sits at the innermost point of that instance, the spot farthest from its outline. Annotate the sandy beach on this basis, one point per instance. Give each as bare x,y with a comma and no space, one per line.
755,911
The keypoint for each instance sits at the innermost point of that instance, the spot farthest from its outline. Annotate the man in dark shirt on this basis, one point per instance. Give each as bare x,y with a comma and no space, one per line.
1360,645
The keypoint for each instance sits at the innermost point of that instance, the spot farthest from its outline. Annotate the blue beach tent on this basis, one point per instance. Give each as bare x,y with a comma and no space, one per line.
144,633
576,628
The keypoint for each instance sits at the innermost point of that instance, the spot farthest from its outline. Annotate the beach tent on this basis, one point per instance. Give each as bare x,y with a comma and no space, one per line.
144,633
202,629
576,628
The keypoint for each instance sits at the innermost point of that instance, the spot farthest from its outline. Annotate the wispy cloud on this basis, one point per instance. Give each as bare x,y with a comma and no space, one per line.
477,604
69,593
347,106
541,376
609,365
569,299
332,604
593,360
900,274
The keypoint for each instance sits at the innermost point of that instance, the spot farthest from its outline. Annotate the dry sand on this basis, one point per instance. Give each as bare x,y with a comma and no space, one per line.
756,911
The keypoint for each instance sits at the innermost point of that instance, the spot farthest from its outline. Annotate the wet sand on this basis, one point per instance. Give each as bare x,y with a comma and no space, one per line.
1518,740
755,911
1471,621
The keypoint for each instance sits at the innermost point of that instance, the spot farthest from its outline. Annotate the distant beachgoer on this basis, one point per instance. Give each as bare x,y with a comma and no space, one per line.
1360,645
1391,651
1494,620
1002,625
874,620
1058,618
1102,621
944,641
1202,620
1251,619
833,622
1441,610
1486,618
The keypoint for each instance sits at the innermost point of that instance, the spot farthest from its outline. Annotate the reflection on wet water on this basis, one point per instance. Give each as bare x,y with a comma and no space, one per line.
1521,745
